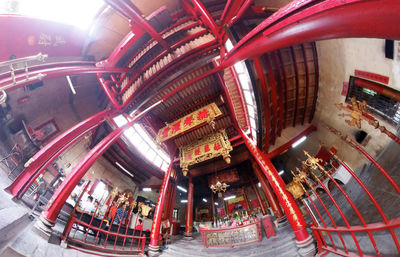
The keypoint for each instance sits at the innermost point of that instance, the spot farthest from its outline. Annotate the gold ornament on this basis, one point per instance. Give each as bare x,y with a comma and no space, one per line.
359,112
208,147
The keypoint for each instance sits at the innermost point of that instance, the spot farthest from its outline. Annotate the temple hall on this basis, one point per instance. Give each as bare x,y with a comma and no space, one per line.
196,128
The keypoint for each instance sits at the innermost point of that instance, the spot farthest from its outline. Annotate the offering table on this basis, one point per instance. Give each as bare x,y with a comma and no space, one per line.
231,236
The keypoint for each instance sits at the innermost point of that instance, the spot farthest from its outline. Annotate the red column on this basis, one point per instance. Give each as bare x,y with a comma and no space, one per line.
271,197
172,203
290,207
258,197
189,210
167,202
155,229
49,215
38,163
213,209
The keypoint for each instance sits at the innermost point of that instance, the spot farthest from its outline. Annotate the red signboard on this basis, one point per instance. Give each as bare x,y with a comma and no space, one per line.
268,226
372,76
24,36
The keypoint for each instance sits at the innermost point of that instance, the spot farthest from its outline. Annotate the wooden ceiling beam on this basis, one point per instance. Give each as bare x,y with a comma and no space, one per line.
272,84
216,165
191,107
280,87
118,158
316,81
296,71
111,160
285,86
303,50
265,94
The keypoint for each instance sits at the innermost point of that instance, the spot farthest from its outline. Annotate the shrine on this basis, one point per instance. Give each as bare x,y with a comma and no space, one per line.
199,128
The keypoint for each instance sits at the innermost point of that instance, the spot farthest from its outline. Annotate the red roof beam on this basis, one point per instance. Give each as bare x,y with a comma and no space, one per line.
129,10
192,53
206,18
243,7
183,86
281,93
265,95
54,71
163,54
316,82
288,144
311,20
296,72
282,65
303,50
271,76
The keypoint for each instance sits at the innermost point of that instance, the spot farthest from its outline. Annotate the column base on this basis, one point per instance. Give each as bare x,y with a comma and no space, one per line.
43,227
154,251
281,222
188,237
306,247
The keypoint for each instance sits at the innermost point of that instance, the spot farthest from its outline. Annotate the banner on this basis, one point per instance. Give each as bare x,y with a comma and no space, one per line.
196,118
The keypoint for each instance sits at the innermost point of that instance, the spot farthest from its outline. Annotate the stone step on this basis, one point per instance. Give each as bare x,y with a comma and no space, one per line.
13,221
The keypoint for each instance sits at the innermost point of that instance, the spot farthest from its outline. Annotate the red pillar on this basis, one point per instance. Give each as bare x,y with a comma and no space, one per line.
258,197
271,197
49,215
172,203
189,210
213,209
167,202
38,163
290,207
155,229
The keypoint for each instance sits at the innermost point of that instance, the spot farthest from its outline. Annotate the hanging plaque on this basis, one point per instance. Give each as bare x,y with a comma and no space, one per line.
208,147
205,114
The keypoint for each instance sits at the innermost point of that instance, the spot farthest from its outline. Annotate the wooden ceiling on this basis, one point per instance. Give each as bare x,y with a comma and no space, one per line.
285,83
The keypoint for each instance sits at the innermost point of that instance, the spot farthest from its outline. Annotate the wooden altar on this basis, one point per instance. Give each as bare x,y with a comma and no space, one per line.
229,237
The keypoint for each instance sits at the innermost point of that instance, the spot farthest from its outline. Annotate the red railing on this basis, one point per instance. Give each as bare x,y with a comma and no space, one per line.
118,239
326,230
84,231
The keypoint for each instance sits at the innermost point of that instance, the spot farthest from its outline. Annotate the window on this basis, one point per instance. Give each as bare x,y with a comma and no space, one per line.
248,94
74,12
142,141
100,192
381,105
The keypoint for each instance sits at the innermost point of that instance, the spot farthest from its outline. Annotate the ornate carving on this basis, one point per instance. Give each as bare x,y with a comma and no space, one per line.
359,112
208,147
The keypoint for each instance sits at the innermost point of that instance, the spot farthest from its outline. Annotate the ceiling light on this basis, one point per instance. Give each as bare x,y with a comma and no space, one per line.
204,200
122,167
183,201
146,189
216,203
301,140
281,172
229,197
259,184
182,189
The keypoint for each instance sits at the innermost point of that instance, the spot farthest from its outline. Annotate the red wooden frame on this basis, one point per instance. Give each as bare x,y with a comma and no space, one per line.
296,72
53,133
271,76
307,83
265,93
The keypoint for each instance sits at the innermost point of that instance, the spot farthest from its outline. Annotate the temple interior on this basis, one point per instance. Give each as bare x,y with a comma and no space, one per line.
199,128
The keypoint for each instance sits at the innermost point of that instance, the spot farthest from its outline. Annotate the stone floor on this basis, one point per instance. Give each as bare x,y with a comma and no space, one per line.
282,244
